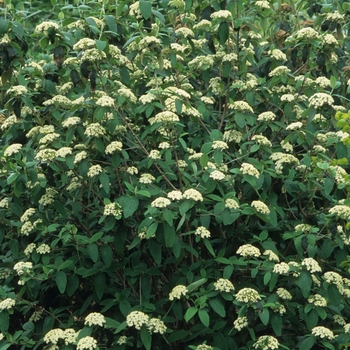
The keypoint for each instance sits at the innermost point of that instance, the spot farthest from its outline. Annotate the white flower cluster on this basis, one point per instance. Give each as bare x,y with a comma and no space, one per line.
79,157
240,323
231,203
114,146
177,292
221,145
71,121
193,194
262,4
294,126
266,116
248,250
224,285
164,117
87,343
284,294
279,71
232,136
262,140
241,106
112,209
317,300
322,332
307,33
248,295
221,14
266,342
132,170
311,265
204,347
94,170
217,175
271,256
260,207
48,197
22,268
249,169
281,268
202,231
281,158
156,325
45,26
160,202
11,120
63,152
94,130
146,178
175,195
277,55
340,210
7,304
43,249
94,319
12,149
137,319
154,154
329,39
320,99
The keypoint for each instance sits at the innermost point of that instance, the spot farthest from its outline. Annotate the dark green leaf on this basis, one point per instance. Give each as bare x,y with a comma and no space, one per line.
218,307
93,252
61,281
204,317
145,8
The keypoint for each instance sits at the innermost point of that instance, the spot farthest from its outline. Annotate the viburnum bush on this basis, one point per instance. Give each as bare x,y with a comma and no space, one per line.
174,175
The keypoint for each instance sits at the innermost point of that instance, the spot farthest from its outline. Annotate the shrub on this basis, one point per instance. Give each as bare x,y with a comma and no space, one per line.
175,175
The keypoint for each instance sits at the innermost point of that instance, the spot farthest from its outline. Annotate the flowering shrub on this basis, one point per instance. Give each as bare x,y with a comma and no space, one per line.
174,175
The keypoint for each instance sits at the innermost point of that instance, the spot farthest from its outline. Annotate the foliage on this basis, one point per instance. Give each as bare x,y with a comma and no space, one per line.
174,175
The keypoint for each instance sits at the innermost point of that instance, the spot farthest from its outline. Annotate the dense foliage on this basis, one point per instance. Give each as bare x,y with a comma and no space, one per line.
174,175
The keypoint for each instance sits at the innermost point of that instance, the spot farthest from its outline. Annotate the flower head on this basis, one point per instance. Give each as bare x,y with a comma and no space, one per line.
177,292
266,342
247,250
247,295
224,285
202,231
87,343
94,319
137,319
322,332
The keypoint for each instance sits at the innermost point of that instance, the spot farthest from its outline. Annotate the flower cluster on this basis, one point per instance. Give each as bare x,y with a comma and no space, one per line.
279,71
113,147
224,285
94,319
146,178
248,295
260,207
43,249
94,130
87,343
284,294
160,202
113,209
311,265
249,169
231,203
217,175
156,325
240,323
247,250
320,99
94,170
322,332
175,195
202,231
221,145
193,194
266,342
137,319
177,292
271,256
317,300
241,106
7,304
281,268
262,140
266,117
342,211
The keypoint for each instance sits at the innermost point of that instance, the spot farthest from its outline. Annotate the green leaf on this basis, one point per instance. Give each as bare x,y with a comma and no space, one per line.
100,285
151,229
4,24
145,8
308,343
93,252
129,205
61,281
177,335
267,277
106,255
218,307
209,247
311,319
4,321
72,284
190,313
276,323
168,216
264,316
111,23
203,160
155,250
13,177
169,234
110,322
185,206
48,323
195,285
104,181
146,338
304,282
223,32
204,317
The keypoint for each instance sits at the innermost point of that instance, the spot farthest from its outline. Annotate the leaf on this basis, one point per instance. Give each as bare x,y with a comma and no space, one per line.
99,285
218,307
264,316
93,252
155,250
304,282
145,8
72,284
311,319
110,322
100,44
204,317
203,160
104,181
177,335
308,343
146,338
223,32
196,284
151,230
111,23
267,277
169,234
61,281
190,313
48,323
106,255
129,205
4,321
209,247
276,323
